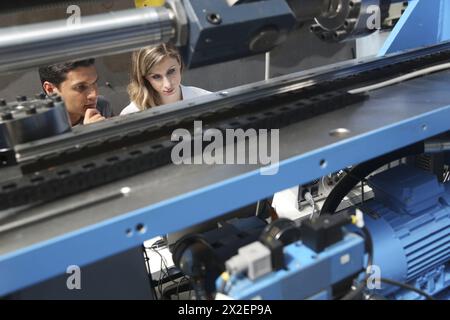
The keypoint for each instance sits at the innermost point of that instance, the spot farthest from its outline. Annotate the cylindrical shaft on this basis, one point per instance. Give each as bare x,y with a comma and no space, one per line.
96,35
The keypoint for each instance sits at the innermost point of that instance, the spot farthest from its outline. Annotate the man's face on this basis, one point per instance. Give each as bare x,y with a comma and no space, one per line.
79,91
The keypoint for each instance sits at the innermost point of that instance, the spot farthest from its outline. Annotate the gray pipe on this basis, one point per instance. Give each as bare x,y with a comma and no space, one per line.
115,32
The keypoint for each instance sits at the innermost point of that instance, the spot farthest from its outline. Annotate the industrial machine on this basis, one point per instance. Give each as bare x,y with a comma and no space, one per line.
79,196
407,219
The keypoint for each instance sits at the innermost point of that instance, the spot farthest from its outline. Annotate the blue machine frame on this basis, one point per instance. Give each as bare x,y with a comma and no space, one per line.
427,18
45,260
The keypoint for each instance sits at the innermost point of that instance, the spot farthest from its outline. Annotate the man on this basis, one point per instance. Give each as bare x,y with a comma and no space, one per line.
76,83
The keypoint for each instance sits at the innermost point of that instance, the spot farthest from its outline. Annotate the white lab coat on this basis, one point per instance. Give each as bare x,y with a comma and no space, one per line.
187,92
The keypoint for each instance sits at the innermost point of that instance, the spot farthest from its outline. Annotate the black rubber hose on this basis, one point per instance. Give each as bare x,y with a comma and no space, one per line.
359,172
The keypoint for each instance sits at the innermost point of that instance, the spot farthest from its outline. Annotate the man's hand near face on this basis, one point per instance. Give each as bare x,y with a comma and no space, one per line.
92,115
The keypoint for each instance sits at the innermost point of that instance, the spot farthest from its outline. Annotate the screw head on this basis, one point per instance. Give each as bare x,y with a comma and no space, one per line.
31,110
214,18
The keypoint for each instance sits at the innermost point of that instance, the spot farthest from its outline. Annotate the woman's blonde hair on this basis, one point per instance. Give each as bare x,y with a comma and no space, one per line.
140,90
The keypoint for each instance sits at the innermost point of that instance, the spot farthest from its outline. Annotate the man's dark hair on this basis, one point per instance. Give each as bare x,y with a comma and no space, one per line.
56,73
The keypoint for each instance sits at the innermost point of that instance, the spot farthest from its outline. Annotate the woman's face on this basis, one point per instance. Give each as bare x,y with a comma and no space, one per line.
165,78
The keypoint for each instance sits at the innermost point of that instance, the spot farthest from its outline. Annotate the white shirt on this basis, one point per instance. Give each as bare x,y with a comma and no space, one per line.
187,93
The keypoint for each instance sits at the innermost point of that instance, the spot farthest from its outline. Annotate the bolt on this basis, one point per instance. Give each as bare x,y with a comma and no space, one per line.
31,110
214,18
7,116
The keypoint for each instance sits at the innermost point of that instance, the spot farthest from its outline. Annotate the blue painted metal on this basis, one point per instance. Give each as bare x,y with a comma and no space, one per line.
47,259
409,219
435,282
444,31
409,224
424,23
44,260
407,190
308,275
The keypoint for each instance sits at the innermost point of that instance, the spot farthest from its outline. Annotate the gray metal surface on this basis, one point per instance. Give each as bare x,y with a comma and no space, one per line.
103,34
43,122
385,107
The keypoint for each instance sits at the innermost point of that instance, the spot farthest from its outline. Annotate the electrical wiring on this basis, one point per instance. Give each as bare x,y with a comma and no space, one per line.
147,262
183,284
310,199
178,286
164,262
164,271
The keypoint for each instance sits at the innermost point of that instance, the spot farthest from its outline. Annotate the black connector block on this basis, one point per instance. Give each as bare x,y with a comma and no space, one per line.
324,231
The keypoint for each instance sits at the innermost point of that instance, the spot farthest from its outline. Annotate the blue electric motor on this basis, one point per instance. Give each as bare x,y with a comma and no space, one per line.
409,222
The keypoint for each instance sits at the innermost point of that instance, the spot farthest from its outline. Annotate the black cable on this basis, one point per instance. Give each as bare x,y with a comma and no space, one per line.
190,291
359,172
174,289
161,273
356,291
163,261
164,272
178,286
369,247
147,262
406,287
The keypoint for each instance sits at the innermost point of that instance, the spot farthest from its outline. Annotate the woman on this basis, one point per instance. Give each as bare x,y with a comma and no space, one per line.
156,79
